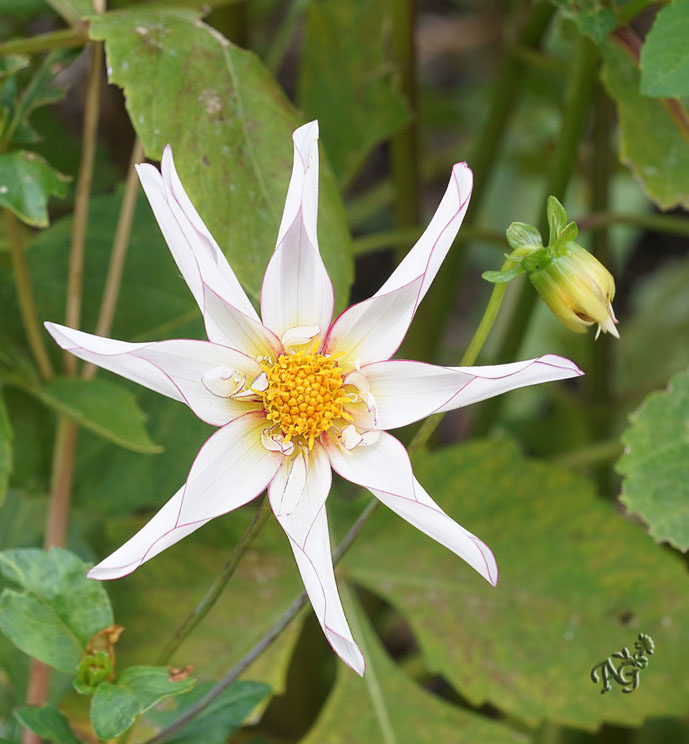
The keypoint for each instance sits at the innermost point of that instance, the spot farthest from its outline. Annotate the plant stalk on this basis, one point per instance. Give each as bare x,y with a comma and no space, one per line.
82,197
118,256
63,39
27,304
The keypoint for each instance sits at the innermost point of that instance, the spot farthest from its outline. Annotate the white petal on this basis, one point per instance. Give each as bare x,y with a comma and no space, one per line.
384,469
406,391
174,368
425,258
296,288
299,336
196,253
230,469
223,381
374,329
155,536
234,328
307,529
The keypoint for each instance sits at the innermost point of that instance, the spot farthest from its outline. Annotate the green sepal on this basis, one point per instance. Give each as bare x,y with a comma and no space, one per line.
557,219
501,277
520,235
537,260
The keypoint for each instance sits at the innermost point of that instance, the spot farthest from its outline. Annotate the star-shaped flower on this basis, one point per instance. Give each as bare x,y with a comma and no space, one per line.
295,394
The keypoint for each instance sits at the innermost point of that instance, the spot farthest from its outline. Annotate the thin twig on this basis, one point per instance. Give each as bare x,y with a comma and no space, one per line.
27,305
118,256
217,587
82,197
65,38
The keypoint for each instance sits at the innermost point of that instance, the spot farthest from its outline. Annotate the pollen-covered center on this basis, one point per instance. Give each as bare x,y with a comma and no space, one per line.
304,395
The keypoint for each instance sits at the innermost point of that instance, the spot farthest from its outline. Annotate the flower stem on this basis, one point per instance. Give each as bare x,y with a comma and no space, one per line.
385,238
27,305
563,161
217,587
119,252
82,197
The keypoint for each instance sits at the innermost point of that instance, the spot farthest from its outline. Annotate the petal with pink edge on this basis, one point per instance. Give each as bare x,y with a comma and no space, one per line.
296,287
306,526
230,469
356,333
406,391
174,368
384,469
196,254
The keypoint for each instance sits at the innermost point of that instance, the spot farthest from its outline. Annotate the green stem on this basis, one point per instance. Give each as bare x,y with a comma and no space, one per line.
598,379
82,197
632,9
434,311
63,39
592,454
660,223
404,146
118,256
425,431
562,166
218,585
27,305
283,36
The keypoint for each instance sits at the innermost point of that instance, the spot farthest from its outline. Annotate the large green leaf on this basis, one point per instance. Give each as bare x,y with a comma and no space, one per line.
56,610
346,82
386,706
230,127
47,722
26,184
651,144
115,706
219,719
665,53
655,464
102,406
577,583
6,436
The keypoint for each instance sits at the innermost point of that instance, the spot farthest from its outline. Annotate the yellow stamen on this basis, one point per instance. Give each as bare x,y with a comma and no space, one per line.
304,395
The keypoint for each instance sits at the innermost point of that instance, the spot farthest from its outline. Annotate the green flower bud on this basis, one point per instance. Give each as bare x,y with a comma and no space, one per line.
93,669
578,289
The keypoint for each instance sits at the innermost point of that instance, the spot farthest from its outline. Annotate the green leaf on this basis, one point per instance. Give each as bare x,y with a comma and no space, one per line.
347,83
386,706
115,706
219,719
578,582
57,609
519,234
6,436
47,722
655,464
230,128
102,406
665,54
26,184
594,18
661,161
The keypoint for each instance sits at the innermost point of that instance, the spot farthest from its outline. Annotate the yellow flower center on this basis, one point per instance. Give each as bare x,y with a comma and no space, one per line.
304,395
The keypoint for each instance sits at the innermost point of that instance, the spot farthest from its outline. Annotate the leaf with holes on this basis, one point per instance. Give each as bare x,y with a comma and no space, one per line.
577,583
655,465
229,125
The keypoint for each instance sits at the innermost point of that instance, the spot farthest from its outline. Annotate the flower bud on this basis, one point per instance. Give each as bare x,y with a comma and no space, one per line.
578,289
